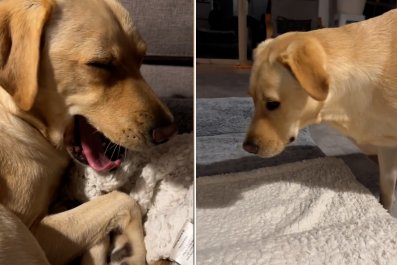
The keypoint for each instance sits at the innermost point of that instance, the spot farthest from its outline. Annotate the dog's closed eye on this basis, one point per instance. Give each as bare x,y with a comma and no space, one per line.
105,65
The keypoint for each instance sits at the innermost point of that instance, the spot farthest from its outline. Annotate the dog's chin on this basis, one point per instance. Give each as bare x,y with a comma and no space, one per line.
269,152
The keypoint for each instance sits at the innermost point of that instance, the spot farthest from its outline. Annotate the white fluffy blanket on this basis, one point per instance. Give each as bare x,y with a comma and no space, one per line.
160,180
312,212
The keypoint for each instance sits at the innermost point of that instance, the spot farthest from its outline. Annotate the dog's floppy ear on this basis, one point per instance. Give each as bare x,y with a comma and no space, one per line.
306,59
21,28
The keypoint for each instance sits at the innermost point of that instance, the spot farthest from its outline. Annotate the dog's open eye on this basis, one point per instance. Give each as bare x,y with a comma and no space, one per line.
272,105
101,65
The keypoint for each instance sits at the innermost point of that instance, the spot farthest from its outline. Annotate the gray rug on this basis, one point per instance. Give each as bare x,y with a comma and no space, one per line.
221,126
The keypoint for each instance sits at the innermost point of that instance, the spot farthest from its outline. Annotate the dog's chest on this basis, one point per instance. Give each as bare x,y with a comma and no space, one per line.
30,195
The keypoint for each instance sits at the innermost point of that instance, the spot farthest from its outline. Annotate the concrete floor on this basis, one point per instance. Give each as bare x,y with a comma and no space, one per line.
218,81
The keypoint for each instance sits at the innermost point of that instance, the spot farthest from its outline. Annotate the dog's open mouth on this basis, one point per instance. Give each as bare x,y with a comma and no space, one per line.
92,148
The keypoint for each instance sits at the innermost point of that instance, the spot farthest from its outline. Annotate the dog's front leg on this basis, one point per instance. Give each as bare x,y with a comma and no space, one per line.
98,254
69,234
388,173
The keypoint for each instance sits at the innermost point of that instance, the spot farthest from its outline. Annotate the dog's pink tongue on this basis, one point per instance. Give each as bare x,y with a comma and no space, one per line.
93,150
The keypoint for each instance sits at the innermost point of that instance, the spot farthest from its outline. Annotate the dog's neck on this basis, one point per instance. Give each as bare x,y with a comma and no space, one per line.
347,102
45,118
355,102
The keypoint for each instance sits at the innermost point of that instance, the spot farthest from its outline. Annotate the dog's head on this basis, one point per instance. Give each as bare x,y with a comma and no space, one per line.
288,84
80,60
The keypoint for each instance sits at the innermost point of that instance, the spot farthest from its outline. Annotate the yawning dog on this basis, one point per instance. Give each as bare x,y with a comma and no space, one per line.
70,81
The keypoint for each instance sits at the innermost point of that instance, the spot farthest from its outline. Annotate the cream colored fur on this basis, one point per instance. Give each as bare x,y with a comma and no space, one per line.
49,57
344,76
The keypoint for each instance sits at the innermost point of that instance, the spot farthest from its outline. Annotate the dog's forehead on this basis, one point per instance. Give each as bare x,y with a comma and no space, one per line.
265,76
122,16
259,71
105,23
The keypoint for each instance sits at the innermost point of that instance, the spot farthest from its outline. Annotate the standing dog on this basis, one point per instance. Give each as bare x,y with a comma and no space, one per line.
344,76
70,80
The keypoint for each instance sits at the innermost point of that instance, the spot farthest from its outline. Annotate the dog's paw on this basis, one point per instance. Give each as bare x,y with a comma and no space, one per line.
125,251
387,201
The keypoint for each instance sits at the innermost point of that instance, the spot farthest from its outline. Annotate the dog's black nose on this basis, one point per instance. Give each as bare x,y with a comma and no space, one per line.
164,133
250,147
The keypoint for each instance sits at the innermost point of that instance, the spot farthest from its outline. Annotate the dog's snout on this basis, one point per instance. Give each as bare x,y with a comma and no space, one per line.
163,133
250,147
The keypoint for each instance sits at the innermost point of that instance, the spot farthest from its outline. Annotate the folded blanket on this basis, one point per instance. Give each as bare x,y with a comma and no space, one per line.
311,212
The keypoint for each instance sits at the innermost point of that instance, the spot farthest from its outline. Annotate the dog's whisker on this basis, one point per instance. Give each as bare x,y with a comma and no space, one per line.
119,151
107,147
114,149
126,154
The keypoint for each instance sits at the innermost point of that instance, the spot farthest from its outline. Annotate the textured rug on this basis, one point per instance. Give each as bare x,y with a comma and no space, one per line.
311,212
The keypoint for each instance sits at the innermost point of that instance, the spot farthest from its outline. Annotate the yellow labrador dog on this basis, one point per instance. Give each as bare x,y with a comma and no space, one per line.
344,76
70,81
